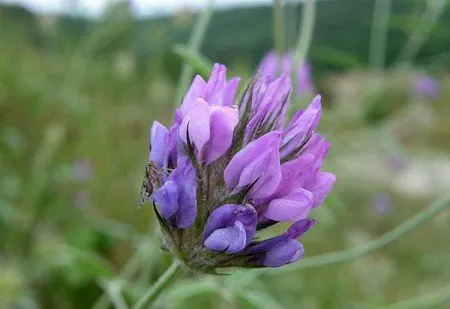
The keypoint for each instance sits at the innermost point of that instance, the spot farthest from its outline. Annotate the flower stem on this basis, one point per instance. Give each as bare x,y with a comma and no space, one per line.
423,301
156,289
354,253
419,35
305,37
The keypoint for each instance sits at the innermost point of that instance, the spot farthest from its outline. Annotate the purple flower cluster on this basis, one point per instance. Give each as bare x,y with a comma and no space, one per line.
227,171
272,64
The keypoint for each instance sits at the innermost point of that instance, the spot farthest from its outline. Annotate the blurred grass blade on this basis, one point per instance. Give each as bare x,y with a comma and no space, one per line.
113,289
191,288
194,45
278,29
91,263
378,35
425,301
305,37
147,246
336,57
419,35
242,279
260,300
199,63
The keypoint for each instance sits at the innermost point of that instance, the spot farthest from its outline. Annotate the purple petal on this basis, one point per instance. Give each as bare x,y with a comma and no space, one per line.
185,178
268,66
226,215
230,239
292,207
257,163
230,91
286,252
296,173
197,90
321,186
158,143
270,109
296,230
166,199
170,156
301,128
304,80
223,122
196,120
287,63
219,218
216,83
299,228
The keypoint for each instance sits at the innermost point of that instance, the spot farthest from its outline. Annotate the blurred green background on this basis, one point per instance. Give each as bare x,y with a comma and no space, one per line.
78,96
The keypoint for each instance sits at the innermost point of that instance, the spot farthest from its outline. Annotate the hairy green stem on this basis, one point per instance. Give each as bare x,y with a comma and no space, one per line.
305,37
162,283
198,32
378,35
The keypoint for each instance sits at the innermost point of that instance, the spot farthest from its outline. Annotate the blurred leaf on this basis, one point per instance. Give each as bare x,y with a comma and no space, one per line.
190,288
91,263
6,212
337,58
260,300
114,289
423,301
241,279
199,63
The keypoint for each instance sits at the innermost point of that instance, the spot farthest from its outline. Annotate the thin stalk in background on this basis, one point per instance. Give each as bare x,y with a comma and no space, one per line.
351,254
357,252
419,35
423,301
291,25
38,178
305,37
132,266
195,41
278,30
159,286
114,291
379,32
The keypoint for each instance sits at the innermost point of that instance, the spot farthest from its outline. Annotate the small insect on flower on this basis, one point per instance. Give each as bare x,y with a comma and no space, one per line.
149,184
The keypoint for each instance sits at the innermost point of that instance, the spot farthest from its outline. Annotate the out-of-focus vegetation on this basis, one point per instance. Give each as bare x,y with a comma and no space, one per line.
77,98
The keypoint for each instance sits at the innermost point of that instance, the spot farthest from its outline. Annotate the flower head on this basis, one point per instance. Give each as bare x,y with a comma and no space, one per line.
226,172
272,64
